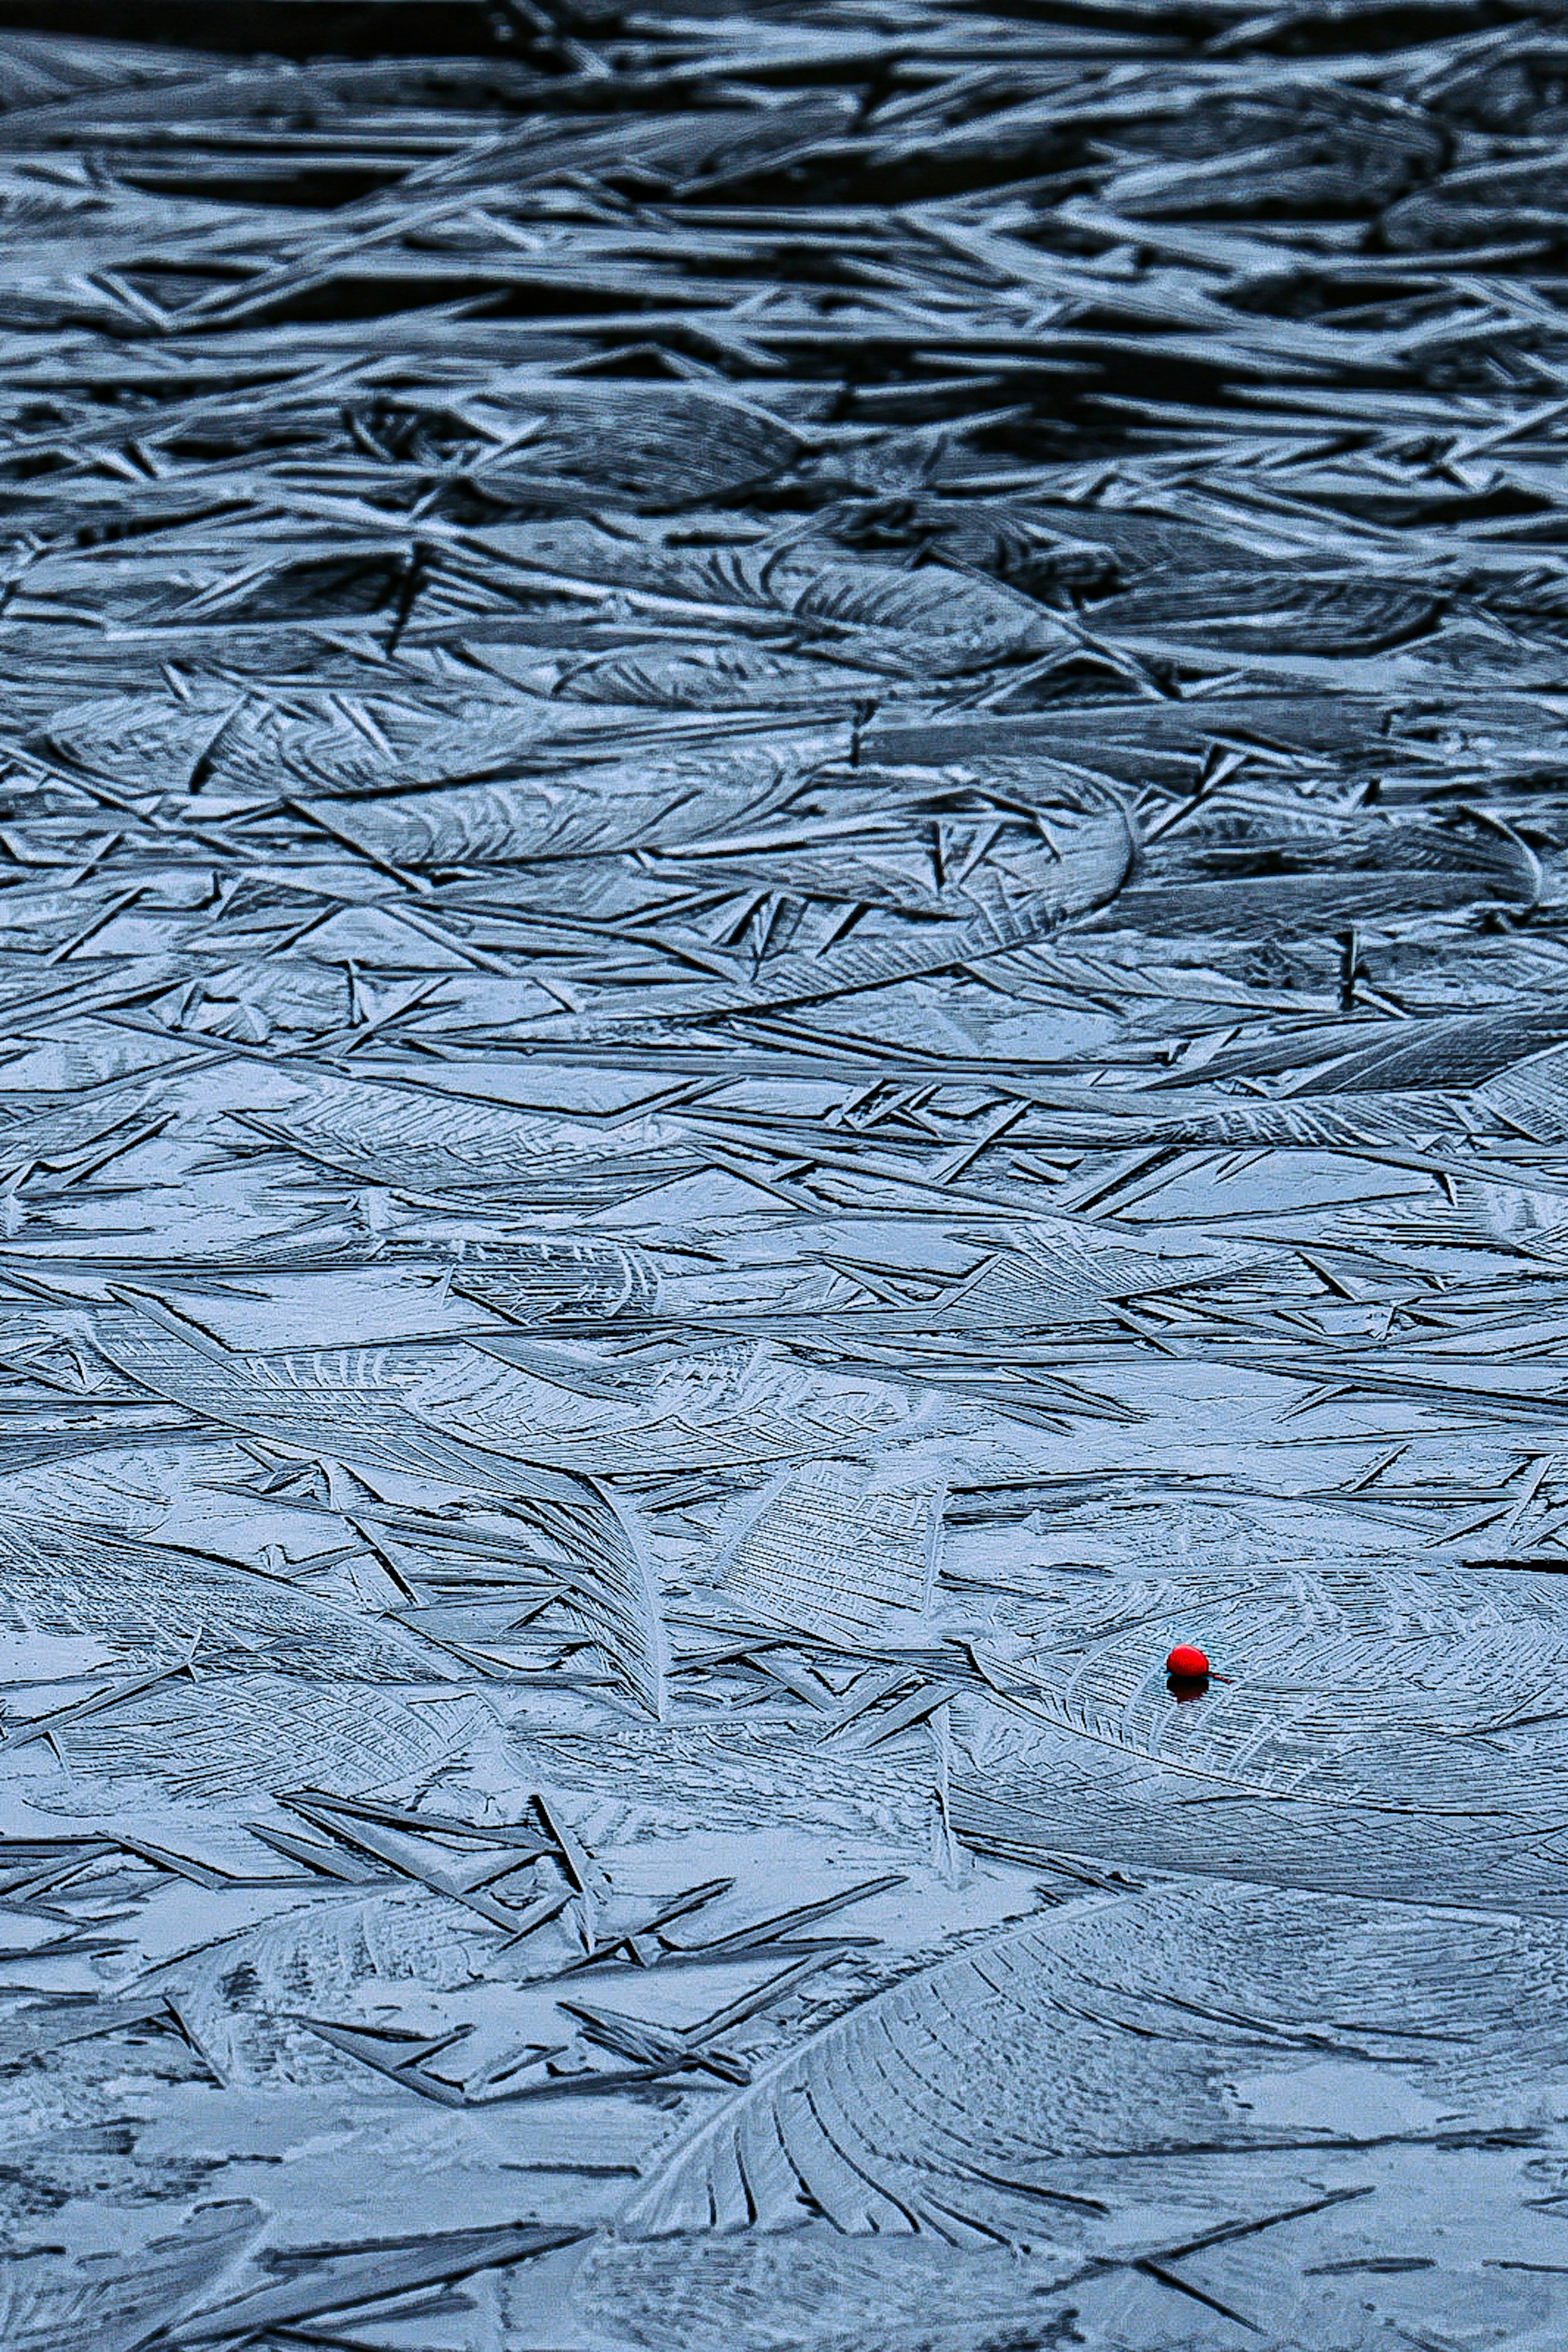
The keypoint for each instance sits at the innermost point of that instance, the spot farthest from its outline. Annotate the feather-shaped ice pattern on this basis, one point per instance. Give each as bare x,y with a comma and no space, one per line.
428,1143
1071,2081
765,2291
349,1402
243,1995
224,1743
655,801
1094,857
263,747
369,1405
731,1404
1058,1272
580,442
560,1277
1528,1096
1302,2274
1270,612
833,1551
947,618
116,2302
733,1776
152,1605
1392,1732
1291,880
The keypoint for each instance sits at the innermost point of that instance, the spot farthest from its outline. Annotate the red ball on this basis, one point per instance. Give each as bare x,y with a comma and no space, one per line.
1187,1662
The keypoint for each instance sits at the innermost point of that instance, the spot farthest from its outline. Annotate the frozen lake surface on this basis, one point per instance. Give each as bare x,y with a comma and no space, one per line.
782,967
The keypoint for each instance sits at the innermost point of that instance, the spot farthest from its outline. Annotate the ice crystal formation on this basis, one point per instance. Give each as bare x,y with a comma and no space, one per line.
784,965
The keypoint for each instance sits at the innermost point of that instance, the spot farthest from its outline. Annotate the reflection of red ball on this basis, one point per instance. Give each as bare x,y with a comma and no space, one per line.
1184,1660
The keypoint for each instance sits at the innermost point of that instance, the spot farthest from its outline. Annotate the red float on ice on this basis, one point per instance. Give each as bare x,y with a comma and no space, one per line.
1186,1663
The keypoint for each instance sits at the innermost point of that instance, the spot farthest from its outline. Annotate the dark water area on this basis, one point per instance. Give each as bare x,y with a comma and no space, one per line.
783,1160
